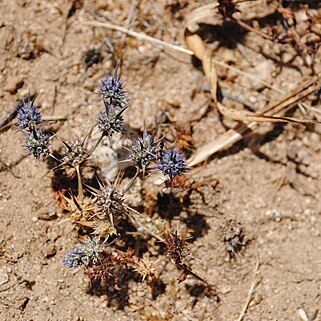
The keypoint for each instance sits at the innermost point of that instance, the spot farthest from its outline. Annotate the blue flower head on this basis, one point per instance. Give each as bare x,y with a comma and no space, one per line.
111,120
86,253
37,143
172,163
28,116
112,88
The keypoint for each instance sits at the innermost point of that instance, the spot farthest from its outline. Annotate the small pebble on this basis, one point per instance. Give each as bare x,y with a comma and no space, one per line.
13,84
172,100
226,289
49,251
102,4
303,157
276,215
4,277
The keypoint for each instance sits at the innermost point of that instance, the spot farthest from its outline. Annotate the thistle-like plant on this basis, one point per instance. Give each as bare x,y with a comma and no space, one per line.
172,163
80,209
111,120
111,88
108,204
227,8
37,143
74,153
111,267
109,200
86,253
29,116
102,228
175,246
99,212
145,149
146,267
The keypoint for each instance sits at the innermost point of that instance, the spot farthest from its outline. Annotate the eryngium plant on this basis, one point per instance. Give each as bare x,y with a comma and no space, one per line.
172,163
29,116
145,149
74,153
100,213
111,120
111,88
109,200
37,143
86,253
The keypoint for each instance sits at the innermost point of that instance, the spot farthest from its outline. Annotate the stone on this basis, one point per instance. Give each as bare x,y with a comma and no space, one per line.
262,71
4,277
13,84
49,251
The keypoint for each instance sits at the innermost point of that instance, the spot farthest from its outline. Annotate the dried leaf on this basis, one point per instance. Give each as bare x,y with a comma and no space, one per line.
196,44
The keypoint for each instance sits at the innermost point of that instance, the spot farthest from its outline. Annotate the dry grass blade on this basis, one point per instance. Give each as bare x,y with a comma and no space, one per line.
197,45
247,116
138,35
249,298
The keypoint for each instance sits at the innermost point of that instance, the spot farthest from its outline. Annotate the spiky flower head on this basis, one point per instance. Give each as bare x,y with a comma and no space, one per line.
74,153
176,246
37,143
86,253
80,209
112,88
111,120
112,266
146,267
172,163
109,200
28,116
145,149
102,228
227,8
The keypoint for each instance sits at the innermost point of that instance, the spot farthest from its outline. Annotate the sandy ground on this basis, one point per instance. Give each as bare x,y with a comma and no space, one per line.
267,185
